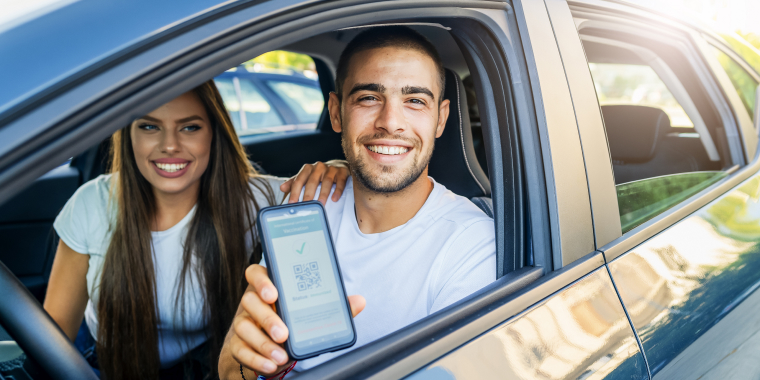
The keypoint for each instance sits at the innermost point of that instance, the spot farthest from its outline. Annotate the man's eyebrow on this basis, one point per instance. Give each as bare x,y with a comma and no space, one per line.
409,90
374,87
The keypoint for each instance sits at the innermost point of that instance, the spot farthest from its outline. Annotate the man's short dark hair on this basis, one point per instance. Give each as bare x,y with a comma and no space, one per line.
387,36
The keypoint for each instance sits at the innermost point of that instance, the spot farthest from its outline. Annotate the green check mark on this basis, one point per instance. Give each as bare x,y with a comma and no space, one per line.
300,251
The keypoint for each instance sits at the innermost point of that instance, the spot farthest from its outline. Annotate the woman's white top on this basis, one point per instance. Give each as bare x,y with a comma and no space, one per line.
86,225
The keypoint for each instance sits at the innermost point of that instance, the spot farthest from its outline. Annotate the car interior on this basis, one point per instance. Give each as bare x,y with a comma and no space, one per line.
458,162
644,141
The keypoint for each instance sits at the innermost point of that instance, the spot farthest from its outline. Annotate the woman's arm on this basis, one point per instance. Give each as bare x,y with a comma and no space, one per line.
66,296
319,173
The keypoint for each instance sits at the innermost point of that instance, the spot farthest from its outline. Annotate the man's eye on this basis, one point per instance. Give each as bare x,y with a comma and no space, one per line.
148,127
191,128
417,101
367,98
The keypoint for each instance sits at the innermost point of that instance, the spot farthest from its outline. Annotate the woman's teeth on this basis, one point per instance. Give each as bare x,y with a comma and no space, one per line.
389,150
171,168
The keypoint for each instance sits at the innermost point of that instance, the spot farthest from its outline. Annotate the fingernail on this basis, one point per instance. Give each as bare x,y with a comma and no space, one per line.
277,333
269,366
279,356
267,294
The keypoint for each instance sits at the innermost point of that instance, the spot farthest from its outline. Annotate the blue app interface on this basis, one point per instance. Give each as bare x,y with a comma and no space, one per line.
310,288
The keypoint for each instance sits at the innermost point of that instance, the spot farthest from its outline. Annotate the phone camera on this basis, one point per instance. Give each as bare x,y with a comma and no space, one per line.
292,211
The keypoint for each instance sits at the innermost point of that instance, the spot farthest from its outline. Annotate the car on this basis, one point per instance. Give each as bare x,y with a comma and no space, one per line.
276,101
615,147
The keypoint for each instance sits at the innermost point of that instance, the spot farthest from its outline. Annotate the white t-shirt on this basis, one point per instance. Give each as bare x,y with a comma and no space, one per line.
86,224
444,253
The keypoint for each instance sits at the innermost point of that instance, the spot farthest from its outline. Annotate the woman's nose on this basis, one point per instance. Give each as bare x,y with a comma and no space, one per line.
170,142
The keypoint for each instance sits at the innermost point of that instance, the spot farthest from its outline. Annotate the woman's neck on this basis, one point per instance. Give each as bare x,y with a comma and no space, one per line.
171,208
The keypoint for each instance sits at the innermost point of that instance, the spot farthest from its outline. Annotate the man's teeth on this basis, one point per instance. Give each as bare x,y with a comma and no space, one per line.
171,168
389,150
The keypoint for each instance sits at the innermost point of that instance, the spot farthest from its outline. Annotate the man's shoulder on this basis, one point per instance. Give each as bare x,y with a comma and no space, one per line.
457,209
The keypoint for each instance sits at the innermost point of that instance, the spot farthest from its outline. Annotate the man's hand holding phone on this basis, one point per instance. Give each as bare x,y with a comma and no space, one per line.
258,332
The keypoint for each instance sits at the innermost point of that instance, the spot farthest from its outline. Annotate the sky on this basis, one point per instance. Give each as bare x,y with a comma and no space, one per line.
724,15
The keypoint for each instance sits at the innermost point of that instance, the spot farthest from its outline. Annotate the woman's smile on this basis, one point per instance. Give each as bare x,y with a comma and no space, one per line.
171,167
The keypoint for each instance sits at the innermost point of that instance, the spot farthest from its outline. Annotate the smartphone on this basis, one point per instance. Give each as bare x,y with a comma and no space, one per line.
300,258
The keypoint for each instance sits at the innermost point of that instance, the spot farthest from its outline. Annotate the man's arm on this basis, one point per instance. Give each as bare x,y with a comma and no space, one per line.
257,331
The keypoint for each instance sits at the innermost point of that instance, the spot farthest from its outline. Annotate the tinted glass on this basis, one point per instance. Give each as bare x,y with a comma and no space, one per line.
642,200
305,101
744,84
636,85
657,162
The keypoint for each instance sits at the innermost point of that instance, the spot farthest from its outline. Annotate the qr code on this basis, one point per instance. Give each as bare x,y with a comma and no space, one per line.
307,276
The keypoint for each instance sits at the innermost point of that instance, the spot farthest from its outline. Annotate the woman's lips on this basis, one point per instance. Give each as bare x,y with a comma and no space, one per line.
171,168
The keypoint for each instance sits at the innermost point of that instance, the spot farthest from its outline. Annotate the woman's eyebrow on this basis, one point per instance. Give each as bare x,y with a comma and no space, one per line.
148,118
189,118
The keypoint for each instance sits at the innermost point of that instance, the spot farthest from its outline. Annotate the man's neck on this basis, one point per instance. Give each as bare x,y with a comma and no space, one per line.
380,212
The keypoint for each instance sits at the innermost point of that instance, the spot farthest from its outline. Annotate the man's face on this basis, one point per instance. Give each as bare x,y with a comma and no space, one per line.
389,116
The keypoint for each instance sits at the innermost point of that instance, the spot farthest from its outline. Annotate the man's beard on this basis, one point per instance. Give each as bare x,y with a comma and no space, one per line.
393,179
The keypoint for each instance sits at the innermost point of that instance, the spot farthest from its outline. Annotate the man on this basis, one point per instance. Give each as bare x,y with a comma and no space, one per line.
406,245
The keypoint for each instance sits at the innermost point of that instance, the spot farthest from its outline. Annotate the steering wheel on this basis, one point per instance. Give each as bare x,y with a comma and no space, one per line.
37,334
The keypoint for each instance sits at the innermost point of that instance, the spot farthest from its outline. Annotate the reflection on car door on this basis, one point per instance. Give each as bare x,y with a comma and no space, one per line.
689,290
581,332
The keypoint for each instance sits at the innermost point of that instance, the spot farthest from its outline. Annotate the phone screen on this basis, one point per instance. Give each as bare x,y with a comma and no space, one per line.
311,295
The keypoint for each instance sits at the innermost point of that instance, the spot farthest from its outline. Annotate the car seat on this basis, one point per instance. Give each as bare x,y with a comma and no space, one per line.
639,144
454,163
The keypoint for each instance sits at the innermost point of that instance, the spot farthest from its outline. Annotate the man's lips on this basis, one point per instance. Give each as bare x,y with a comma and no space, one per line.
389,147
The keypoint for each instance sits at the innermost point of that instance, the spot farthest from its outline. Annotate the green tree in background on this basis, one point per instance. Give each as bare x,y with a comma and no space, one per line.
280,59
747,45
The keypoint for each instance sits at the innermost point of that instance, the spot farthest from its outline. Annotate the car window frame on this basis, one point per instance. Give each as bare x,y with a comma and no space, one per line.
90,111
735,174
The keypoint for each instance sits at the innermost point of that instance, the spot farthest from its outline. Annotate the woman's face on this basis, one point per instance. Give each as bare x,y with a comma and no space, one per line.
172,145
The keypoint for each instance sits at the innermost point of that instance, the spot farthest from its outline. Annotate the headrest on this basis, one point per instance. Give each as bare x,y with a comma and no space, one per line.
454,163
634,131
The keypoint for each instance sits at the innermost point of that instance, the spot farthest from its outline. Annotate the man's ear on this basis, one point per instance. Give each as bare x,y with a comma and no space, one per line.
333,107
443,115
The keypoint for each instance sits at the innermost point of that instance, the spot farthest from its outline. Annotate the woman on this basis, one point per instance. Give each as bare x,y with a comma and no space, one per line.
153,255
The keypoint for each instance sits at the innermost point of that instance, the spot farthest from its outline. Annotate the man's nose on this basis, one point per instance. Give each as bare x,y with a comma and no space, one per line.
170,141
391,118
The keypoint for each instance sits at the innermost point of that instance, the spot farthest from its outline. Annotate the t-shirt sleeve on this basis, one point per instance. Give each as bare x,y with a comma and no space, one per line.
72,223
468,266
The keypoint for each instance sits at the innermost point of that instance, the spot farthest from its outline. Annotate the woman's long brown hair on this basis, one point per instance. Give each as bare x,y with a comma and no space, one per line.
215,250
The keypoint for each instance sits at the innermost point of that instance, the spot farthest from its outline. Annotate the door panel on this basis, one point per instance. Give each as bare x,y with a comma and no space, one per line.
581,332
27,239
689,290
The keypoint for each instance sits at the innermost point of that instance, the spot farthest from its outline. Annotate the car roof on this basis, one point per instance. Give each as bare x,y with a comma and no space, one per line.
47,48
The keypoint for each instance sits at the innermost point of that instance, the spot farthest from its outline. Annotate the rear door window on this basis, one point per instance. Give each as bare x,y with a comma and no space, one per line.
278,91
664,143
305,101
249,110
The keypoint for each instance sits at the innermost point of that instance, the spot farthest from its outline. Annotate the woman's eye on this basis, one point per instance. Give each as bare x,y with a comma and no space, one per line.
191,128
148,127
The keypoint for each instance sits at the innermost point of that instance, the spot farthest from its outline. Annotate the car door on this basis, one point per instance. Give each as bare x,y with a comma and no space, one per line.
686,262
571,323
